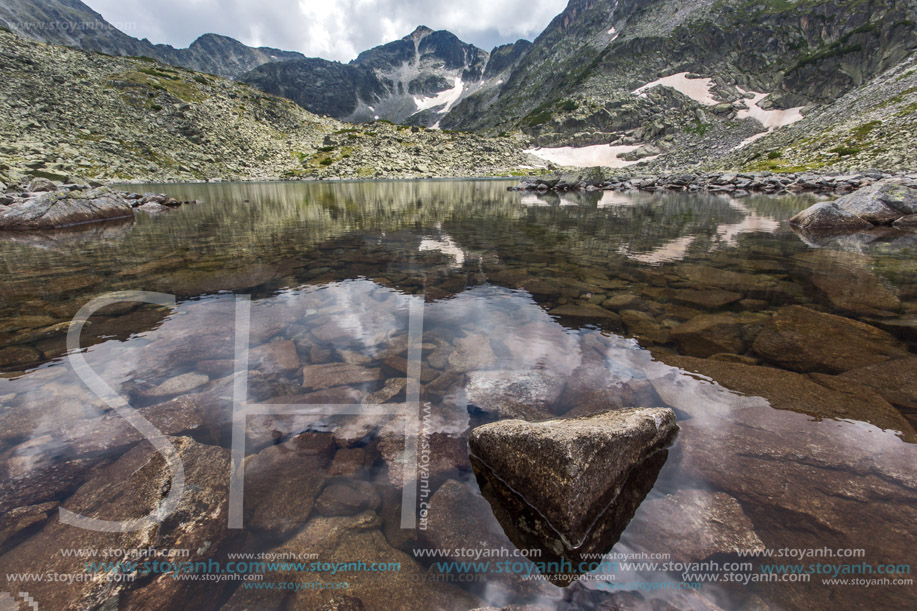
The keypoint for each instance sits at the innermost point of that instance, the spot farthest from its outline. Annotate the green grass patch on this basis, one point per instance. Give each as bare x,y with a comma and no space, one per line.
862,131
698,128
161,73
846,151
898,99
907,110
186,92
781,166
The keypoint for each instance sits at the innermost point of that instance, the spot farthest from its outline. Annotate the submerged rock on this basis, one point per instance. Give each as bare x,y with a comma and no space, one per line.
895,380
455,511
805,340
586,312
818,395
529,395
130,488
276,357
856,290
17,523
571,470
710,334
447,455
823,485
184,383
349,540
282,482
347,498
319,377
694,525
472,353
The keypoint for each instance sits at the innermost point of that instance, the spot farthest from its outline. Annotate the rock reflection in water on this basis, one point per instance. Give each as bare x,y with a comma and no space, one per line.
528,529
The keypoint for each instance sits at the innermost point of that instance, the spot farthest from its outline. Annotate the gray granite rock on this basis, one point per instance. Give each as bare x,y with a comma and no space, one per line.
570,470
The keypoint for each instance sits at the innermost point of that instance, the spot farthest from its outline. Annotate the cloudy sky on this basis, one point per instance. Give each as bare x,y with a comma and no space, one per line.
333,29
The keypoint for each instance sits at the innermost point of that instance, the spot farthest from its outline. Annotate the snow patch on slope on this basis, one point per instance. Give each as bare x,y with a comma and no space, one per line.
603,155
698,89
448,97
769,119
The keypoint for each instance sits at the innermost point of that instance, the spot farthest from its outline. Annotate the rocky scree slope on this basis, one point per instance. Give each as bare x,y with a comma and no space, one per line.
576,85
72,23
872,126
67,113
416,80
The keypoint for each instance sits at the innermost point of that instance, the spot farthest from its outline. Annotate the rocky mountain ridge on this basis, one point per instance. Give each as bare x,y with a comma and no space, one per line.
74,24
587,81
700,84
416,80
67,114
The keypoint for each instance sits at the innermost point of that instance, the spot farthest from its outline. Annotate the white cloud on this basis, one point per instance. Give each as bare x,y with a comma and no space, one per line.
333,29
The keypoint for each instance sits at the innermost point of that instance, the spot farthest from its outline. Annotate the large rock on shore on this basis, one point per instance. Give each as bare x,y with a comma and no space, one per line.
53,210
881,203
830,218
571,470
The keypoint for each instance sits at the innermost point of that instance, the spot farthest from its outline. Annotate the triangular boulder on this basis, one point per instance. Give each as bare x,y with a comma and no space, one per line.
571,470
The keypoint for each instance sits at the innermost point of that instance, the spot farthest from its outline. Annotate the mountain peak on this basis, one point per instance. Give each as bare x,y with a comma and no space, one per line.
211,38
420,32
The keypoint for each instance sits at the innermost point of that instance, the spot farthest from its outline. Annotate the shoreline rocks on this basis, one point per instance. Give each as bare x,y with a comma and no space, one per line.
728,183
41,204
892,201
